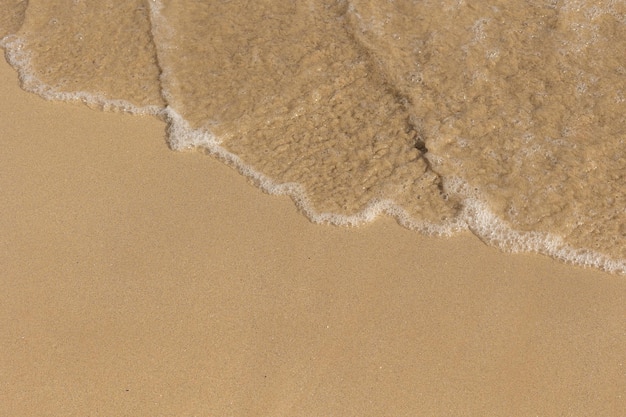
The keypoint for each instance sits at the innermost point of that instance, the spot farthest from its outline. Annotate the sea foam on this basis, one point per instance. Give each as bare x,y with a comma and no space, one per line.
471,208
17,54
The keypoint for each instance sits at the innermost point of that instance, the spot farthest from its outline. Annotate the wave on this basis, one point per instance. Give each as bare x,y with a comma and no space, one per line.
357,109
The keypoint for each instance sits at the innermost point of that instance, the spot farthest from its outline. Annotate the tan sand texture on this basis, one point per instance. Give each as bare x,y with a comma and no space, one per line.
137,281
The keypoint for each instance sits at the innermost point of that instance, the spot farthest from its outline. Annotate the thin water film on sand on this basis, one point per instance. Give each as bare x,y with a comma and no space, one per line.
504,118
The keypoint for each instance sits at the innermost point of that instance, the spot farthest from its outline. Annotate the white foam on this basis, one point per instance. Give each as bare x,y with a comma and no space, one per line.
182,136
491,229
19,57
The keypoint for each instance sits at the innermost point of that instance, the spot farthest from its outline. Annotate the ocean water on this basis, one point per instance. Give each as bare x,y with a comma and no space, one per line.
504,118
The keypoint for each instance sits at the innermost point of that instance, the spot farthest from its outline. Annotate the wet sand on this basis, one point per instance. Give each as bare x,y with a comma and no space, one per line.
140,281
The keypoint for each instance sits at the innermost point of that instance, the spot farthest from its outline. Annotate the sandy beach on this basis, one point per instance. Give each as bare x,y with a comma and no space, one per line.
139,281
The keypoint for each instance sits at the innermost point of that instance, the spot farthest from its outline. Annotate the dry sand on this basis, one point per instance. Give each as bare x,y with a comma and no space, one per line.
138,281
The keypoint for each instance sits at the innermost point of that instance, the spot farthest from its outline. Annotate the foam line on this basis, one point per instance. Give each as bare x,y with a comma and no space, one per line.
19,57
494,231
474,215
183,137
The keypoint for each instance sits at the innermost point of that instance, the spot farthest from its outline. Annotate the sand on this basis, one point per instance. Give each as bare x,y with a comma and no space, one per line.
139,281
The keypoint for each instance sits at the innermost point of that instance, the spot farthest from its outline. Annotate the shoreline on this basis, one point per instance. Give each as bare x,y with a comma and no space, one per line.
145,281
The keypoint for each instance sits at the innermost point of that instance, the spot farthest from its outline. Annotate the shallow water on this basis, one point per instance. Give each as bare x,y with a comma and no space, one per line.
505,118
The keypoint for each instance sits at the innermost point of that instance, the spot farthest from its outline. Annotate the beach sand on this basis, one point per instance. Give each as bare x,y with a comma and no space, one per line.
139,281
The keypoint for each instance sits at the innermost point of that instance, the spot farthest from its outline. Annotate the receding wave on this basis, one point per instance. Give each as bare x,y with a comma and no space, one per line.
504,119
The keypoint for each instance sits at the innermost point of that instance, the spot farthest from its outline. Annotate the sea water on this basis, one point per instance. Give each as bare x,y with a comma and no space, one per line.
504,118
